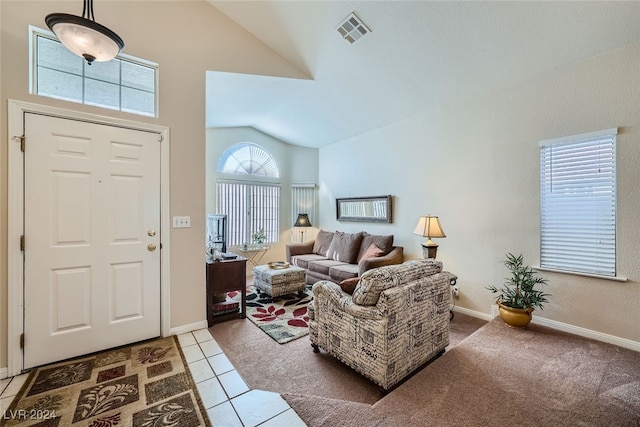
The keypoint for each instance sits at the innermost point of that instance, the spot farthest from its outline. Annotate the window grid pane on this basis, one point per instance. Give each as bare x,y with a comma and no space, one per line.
578,206
56,67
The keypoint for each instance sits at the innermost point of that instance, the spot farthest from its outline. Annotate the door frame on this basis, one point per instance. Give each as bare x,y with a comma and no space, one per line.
15,256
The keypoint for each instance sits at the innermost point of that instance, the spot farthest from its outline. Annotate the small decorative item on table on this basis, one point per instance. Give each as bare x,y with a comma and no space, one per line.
278,265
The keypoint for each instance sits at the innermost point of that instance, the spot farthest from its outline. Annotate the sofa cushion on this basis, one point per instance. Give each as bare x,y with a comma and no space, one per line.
345,246
372,252
302,261
349,285
322,242
337,273
323,266
383,242
374,281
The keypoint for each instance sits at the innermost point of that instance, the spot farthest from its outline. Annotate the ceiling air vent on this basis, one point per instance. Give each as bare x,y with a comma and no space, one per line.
352,28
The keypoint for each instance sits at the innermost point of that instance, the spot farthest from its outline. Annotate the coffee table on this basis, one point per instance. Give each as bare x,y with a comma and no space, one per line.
279,281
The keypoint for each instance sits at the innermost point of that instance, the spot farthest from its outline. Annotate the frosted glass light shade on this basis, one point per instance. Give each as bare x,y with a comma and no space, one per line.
84,37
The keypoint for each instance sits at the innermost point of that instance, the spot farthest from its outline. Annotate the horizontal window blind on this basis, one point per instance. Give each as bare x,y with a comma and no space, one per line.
578,203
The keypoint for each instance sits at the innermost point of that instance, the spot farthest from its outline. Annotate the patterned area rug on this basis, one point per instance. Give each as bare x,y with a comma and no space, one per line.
147,384
283,318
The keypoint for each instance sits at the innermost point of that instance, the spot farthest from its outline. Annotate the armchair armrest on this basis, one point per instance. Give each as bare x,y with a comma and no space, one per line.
396,256
294,249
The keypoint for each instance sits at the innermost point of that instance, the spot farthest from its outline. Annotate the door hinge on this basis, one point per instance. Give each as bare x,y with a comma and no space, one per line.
21,341
22,242
22,142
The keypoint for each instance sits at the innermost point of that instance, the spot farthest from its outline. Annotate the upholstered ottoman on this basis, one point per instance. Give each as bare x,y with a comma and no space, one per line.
279,281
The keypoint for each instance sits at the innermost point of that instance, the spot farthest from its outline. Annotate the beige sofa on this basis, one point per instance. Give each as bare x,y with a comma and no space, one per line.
396,320
337,256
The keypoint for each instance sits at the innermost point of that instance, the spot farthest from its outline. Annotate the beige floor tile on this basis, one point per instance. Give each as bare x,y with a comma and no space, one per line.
201,370
210,348
223,415
192,353
186,340
256,406
202,335
4,383
288,418
233,384
211,393
14,386
220,364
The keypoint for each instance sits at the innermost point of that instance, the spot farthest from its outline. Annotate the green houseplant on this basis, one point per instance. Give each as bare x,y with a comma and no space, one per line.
518,296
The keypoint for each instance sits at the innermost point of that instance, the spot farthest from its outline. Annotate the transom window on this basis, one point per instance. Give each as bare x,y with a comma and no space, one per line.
125,83
246,158
578,203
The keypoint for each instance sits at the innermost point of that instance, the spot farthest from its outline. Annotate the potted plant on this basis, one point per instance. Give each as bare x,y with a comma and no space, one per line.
259,238
518,296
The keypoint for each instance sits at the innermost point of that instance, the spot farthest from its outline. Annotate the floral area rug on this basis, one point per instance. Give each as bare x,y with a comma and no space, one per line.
284,318
147,384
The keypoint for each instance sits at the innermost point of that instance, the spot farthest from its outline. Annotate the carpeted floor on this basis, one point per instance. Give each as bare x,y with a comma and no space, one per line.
497,376
294,368
146,384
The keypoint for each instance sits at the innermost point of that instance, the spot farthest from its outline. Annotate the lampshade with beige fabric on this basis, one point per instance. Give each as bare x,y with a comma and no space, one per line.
429,226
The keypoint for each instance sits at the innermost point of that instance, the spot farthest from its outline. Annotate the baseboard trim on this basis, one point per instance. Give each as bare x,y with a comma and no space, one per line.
564,327
473,313
4,373
188,328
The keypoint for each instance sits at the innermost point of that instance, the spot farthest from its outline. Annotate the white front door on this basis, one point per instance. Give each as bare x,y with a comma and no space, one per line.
92,237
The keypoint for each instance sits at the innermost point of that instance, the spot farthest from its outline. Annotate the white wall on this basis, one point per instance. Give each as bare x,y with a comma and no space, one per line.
296,165
475,164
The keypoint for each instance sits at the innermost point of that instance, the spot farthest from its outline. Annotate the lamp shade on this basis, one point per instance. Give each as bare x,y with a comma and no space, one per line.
429,226
84,36
302,221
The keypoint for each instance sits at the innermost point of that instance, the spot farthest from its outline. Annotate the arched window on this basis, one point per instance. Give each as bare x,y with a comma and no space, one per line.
252,208
246,158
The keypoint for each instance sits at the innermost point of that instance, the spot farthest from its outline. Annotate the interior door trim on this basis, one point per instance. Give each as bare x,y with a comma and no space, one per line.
15,259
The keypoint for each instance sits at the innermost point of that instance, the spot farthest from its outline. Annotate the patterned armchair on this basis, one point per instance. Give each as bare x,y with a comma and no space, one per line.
396,320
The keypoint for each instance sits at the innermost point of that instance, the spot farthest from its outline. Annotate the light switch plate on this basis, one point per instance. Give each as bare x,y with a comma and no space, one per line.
181,221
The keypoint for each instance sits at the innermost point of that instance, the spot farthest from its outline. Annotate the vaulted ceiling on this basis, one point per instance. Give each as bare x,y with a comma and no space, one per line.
418,57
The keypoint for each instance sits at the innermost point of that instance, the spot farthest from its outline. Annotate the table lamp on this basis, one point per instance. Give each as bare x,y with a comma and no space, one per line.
429,226
302,221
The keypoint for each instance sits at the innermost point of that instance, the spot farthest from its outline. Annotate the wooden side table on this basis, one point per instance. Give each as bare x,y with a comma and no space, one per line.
225,276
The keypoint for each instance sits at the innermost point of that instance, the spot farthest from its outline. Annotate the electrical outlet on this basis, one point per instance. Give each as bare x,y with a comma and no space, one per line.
181,221
456,292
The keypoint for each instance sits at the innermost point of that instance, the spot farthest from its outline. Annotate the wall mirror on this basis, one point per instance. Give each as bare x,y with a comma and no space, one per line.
364,209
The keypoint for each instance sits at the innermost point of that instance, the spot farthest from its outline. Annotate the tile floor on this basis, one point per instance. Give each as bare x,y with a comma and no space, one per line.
226,397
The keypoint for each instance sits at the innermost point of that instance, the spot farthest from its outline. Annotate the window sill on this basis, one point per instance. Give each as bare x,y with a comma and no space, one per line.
575,273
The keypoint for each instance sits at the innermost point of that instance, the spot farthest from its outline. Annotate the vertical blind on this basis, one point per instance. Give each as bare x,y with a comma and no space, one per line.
249,208
578,203
303,200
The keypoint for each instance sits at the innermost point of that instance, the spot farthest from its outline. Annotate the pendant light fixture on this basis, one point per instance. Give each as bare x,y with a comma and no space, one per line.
84,36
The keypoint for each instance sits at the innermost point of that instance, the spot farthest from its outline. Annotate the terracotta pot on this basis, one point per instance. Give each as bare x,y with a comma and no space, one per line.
515,317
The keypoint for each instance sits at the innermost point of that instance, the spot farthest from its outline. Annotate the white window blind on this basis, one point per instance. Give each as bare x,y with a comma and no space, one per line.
578,203
249,207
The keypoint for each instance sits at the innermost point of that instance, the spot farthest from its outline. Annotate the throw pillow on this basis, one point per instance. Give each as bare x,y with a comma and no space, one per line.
383,242
372,252
344,247
349,285
322,243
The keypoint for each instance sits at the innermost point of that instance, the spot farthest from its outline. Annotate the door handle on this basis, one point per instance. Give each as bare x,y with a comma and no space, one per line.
151,233
151,247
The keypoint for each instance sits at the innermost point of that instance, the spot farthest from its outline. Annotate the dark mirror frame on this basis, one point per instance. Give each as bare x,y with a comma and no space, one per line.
364,209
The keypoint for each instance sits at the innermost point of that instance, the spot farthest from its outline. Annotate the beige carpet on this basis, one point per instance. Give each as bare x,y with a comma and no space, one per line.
497,376
294,368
